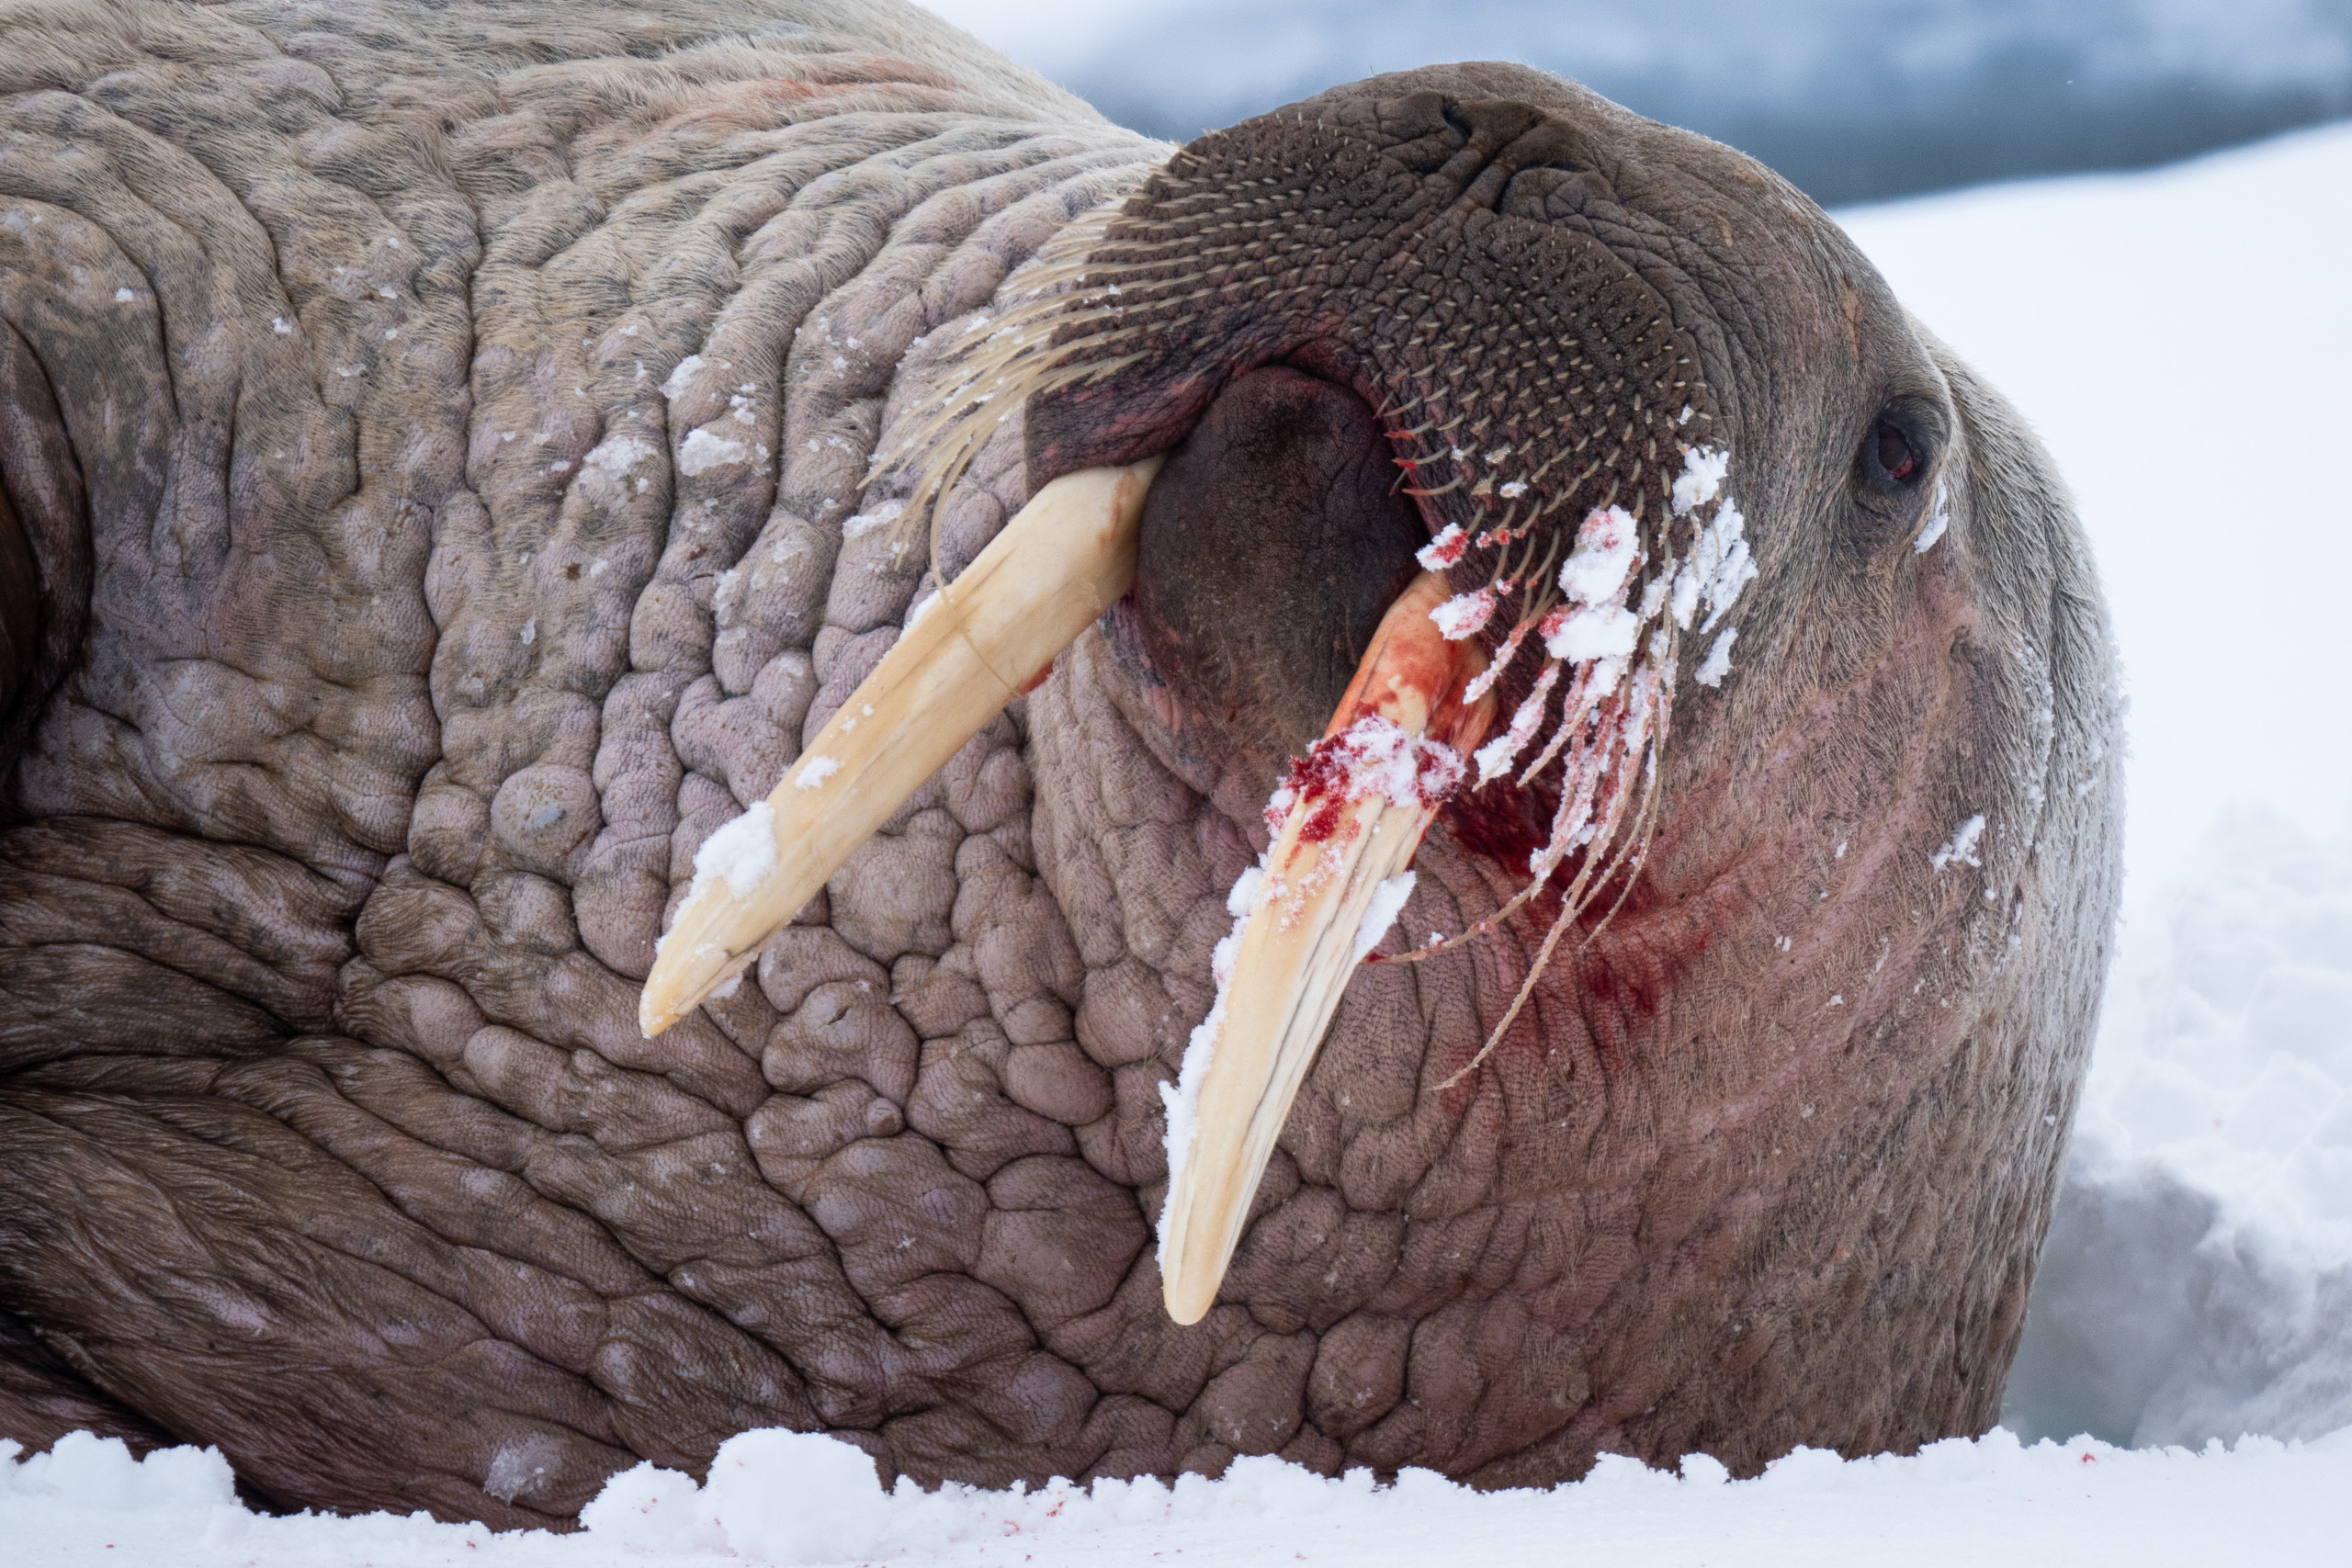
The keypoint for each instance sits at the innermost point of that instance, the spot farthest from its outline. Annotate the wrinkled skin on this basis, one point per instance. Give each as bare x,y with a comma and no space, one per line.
411,606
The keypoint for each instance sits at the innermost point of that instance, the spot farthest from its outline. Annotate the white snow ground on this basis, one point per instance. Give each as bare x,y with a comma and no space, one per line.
2180,339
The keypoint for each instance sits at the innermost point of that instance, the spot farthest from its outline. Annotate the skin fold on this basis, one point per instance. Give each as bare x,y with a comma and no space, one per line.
436,449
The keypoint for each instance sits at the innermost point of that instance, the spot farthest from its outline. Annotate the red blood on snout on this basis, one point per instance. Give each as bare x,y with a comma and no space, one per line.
1502,823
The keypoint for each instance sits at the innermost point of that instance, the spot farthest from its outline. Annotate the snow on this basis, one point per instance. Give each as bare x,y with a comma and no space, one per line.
2197,1280
2197,1283
1701,480
1717,664
813,773
1596,631
1606,544
1443,551
1495,757
1464,615
701,452
1182,1099
1387,903
1938,520
742,852
682,378
1961,847
610,460
1374,756
884,515
780,1497
1719,567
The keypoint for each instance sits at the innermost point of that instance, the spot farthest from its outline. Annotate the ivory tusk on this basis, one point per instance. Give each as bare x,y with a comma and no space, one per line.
1060,563
1299,940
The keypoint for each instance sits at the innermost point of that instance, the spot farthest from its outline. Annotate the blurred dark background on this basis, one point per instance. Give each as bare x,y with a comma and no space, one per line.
1854,100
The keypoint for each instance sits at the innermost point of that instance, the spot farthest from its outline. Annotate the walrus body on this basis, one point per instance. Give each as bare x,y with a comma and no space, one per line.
441,439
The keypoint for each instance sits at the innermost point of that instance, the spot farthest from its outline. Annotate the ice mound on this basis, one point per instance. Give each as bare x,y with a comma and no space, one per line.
2197,1279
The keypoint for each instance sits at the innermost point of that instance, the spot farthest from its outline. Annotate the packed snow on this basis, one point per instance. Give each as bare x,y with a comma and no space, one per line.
2178,338
780,1497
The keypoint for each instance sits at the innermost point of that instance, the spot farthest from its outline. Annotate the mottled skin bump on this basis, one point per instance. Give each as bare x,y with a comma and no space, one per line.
434,447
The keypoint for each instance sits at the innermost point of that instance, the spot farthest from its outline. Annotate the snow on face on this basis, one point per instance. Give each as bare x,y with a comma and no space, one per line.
1937,524
1464,615
1702,479
1443,551
1719,567
1598,631
1608,546
1961,846
1718,662
1497,755
701,452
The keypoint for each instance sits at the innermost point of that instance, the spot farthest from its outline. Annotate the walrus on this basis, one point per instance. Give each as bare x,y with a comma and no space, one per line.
1445,663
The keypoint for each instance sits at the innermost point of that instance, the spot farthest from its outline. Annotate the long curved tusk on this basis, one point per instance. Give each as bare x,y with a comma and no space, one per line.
1302,936
1061,561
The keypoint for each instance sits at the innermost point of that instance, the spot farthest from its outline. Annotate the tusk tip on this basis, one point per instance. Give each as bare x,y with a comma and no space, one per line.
652,1018
1186,1300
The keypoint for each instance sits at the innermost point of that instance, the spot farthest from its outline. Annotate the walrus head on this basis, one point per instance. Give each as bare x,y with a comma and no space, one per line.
477,500
1430,397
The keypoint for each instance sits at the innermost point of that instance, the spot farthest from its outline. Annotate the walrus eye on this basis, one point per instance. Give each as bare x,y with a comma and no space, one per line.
1895,454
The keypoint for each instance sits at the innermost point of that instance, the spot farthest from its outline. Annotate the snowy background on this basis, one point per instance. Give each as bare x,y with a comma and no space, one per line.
2181,339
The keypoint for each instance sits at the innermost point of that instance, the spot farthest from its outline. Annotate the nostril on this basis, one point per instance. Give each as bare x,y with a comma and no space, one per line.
1273,541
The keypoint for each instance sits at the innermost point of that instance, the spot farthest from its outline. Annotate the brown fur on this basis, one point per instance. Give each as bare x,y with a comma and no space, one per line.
401,637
